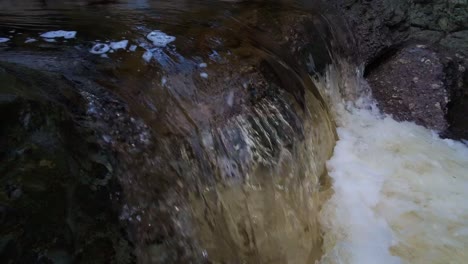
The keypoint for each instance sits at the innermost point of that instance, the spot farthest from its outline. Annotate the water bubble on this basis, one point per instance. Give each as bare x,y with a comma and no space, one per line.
100,48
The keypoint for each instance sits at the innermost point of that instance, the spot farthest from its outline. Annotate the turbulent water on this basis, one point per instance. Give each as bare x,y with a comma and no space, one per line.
398,187
222,128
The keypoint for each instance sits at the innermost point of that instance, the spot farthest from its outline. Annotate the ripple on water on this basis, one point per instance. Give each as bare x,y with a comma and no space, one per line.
30,40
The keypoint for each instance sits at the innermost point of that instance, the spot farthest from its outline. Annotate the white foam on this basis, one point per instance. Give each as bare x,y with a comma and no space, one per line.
119,45
49,40
159,38
204,75
100,48
59,34
3,40
400,194
202,65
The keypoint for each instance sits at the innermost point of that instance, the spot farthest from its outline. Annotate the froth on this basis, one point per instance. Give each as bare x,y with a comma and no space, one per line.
399,189
399,194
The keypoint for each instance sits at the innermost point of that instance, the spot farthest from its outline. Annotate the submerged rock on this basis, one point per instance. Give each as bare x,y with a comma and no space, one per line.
54,205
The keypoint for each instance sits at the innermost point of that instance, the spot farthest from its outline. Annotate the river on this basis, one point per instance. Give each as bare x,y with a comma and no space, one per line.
210,132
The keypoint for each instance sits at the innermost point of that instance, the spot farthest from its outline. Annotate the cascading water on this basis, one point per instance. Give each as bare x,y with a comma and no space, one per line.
398,187
208,122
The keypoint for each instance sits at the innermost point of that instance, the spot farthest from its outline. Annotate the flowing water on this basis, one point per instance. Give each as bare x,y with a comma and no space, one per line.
236,132
398,187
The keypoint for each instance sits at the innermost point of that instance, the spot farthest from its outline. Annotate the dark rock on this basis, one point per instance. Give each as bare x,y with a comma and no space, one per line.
411,85
438,99
428,36
457,80
380,25
376,25
424,84
457,42
441,15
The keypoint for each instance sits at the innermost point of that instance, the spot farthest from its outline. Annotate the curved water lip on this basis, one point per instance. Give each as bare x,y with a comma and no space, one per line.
219,140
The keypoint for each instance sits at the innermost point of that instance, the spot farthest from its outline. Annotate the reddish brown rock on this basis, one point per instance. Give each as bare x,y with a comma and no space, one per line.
410,85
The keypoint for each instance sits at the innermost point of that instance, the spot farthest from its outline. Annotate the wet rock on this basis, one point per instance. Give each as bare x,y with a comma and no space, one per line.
376,25
383,27
411,86
424,84
301,34
428,36
441,15
456,42
457,80
380,25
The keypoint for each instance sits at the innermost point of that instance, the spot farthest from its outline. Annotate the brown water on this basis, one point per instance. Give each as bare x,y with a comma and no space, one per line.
220,138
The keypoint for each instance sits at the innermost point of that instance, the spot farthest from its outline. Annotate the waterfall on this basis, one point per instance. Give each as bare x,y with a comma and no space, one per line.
398,188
